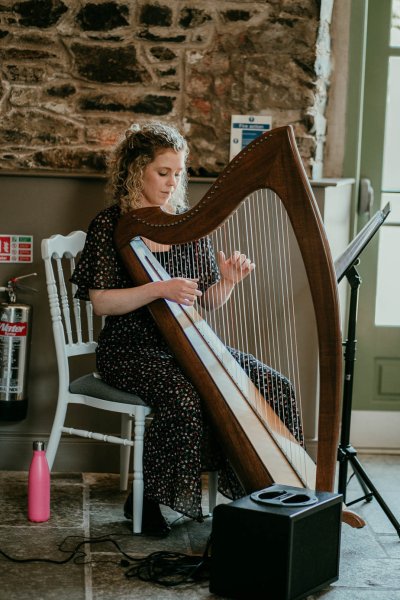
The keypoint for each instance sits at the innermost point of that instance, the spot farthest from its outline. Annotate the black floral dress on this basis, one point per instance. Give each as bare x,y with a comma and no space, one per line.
133,356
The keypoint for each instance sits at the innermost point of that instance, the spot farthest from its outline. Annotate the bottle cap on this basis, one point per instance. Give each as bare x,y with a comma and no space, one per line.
39,446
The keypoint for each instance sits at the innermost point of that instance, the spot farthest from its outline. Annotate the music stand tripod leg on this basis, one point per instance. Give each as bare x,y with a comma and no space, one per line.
346,452
360,471
344,457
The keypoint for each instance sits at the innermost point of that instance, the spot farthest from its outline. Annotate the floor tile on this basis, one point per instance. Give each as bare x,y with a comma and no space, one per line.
24,581
91,504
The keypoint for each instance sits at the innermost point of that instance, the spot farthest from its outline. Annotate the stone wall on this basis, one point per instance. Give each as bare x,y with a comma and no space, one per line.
76,73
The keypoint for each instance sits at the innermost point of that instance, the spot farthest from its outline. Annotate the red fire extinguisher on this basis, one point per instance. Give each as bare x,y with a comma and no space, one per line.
15,333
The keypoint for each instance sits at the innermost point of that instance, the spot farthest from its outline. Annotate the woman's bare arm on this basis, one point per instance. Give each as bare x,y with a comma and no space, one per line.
122,301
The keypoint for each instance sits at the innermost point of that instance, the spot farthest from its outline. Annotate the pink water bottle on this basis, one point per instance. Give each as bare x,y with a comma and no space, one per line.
39,485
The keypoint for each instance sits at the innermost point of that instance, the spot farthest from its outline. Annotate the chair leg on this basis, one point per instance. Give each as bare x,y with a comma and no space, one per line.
212,490
138,484
125,452
55,434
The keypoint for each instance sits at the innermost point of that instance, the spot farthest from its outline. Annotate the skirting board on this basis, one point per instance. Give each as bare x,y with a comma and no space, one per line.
371,431
75,455
375,430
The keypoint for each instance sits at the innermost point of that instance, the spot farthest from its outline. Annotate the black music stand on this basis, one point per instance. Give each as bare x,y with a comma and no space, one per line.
345,266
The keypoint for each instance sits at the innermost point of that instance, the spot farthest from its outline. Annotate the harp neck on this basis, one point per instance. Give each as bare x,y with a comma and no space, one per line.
270,161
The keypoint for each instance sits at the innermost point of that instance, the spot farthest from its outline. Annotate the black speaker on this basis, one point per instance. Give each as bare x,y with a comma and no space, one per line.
281,543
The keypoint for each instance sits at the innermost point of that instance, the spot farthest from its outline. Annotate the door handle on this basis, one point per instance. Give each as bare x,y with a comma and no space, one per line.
366,197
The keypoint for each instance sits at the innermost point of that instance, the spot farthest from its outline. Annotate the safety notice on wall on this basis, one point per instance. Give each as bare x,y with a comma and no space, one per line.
16,248
244,129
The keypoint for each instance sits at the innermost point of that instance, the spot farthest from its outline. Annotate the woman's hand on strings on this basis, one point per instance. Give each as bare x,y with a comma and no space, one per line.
235,268
232,270
121,301
181,290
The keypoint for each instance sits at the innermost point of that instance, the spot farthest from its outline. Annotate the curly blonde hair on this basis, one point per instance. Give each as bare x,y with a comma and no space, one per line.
134,152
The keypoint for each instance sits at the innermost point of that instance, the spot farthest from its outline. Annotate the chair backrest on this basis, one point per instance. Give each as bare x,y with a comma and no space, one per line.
73,331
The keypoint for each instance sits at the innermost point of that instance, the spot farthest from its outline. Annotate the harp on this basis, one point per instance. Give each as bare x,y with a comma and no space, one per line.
266,178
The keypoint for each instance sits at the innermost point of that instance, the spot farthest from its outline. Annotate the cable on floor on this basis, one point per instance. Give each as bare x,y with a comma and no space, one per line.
171,568
76,554
163,568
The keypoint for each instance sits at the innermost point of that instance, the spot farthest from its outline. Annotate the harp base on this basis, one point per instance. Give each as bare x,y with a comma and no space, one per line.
261,550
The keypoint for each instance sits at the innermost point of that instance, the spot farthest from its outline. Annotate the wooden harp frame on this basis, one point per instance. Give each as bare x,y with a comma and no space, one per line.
271,161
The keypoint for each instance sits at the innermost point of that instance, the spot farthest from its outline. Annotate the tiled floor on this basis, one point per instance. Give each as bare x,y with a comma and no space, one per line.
89,505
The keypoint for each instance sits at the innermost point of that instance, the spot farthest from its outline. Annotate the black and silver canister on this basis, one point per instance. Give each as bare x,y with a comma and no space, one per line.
15,334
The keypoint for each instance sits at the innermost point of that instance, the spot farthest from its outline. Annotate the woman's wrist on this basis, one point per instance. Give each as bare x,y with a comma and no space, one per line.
226,282
157,290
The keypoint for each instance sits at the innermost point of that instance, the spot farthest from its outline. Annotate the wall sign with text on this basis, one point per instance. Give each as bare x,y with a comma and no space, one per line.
16,248
244,129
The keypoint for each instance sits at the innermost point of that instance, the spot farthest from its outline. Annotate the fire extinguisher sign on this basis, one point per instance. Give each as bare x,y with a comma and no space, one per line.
16,248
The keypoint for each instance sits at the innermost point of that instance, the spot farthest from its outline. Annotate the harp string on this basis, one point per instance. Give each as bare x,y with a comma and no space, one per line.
254,322
213,342
282,300
259,317
265,330
260,331
288,364
271,293
247,301
294,357
281,340
258,292
253,306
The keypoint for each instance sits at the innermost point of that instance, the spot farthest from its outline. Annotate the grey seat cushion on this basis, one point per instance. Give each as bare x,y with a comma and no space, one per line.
89,385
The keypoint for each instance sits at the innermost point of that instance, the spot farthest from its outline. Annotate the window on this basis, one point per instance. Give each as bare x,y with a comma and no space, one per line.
387,311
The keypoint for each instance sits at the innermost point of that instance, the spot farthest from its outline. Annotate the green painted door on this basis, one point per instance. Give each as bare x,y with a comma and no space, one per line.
377,367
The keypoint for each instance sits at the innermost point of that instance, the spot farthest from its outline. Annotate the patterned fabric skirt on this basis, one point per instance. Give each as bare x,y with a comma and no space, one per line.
179,445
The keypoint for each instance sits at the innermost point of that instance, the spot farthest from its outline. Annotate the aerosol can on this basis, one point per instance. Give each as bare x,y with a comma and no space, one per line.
15,334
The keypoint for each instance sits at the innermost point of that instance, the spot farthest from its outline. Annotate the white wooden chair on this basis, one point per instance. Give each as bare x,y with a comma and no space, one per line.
74,336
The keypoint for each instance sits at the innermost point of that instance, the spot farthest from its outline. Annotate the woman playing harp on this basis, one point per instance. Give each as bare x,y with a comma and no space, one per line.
149,170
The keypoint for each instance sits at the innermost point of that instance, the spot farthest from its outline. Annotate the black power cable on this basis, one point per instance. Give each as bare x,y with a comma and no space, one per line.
172,568
163,568
76,553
